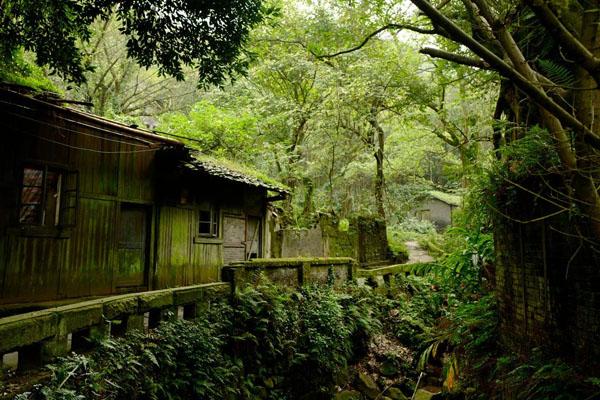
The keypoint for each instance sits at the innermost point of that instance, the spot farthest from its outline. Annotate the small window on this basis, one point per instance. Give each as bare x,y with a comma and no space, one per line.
48,197
209,222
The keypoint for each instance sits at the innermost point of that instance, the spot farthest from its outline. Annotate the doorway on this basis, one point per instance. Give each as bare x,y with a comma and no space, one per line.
132,246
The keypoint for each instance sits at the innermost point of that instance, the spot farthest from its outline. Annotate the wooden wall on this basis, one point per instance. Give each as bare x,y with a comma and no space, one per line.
38,265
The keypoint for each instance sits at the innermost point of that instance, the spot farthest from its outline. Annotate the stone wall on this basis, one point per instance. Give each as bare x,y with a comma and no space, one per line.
373,247
303,243
548,285
365,240
292,271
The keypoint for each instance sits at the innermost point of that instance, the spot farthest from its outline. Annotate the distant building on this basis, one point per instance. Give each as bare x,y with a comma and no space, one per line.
437,207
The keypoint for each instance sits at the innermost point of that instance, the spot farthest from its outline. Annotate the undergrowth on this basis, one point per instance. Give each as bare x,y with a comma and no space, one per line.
269,343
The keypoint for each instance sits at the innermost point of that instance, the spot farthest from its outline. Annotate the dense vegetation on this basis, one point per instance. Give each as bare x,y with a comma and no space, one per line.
276,343
359,108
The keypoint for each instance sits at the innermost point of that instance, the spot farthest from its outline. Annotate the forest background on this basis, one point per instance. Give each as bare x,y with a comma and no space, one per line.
368,132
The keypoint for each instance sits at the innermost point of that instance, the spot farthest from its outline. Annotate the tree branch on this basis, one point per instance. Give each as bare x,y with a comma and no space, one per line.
572,44
457,58
375,33
529,88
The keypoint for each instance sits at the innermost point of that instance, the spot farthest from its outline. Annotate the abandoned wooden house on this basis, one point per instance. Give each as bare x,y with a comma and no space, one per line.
91,207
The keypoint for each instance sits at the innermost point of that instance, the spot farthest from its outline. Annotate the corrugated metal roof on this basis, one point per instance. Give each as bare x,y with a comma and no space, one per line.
27,102
198,162
232,172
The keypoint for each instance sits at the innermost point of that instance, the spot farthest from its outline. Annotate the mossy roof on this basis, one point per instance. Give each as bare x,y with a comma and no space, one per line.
448,198
233,171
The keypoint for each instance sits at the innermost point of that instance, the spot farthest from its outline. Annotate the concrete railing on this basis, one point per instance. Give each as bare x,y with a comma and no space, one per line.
292,271
384,276
31,339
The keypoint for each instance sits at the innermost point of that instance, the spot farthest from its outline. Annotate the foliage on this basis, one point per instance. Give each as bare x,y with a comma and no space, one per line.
215,131
398,250
22,71
469,334
478,365
180,359
420,226
465,267
269,341
118,87
165,34
543,377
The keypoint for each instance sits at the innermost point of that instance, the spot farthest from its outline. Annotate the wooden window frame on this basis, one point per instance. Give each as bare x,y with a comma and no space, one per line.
214,223
67,201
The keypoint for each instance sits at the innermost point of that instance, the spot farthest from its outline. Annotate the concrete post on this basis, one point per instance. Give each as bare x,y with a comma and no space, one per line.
135,323
49,349
304,274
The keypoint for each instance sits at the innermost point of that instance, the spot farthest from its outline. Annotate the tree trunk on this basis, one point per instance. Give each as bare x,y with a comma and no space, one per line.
378,133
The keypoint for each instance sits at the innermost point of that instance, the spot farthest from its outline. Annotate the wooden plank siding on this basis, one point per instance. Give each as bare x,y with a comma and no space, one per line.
114,169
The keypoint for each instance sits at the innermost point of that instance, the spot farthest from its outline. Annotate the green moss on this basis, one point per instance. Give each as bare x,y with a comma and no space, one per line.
21,70
448,198
296,261
240,169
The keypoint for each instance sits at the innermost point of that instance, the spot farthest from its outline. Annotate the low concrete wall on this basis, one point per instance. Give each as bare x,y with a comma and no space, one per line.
365,240
40,336
292,271
383,278
302,243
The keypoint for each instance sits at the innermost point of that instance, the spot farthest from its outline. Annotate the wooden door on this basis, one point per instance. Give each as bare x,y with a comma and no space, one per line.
132,264
234,236
253,238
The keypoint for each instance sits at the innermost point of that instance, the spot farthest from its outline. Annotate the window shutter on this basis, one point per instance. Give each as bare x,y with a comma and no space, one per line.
70,199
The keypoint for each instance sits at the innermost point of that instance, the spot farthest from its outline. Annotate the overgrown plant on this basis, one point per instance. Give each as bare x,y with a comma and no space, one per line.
271,342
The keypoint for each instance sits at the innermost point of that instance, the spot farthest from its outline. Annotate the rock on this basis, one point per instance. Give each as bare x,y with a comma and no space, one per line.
367,385
395,394
348,395
427,393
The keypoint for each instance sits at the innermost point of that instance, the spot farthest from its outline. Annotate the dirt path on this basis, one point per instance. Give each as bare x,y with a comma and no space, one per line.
416,254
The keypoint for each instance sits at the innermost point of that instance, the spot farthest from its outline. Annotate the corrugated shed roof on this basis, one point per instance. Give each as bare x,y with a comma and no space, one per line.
233,172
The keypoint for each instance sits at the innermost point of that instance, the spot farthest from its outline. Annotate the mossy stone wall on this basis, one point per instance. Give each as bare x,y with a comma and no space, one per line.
547,283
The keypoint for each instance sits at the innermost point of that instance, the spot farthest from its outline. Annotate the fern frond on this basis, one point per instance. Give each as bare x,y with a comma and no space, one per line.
556,72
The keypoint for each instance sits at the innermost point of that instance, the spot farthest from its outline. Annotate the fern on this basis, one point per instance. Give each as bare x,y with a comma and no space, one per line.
557,73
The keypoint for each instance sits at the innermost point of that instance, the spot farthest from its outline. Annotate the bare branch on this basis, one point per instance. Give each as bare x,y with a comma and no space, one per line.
457,58
370,36
534,92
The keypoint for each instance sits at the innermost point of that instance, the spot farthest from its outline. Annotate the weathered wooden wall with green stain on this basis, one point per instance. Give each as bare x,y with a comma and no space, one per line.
129,204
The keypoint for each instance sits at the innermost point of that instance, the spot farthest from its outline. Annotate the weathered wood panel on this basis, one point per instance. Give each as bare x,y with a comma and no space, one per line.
98,169
136,173
33,268
132,245
175,238
207,258
89,268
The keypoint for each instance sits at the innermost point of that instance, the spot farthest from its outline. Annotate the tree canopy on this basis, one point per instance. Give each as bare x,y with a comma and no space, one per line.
171,34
